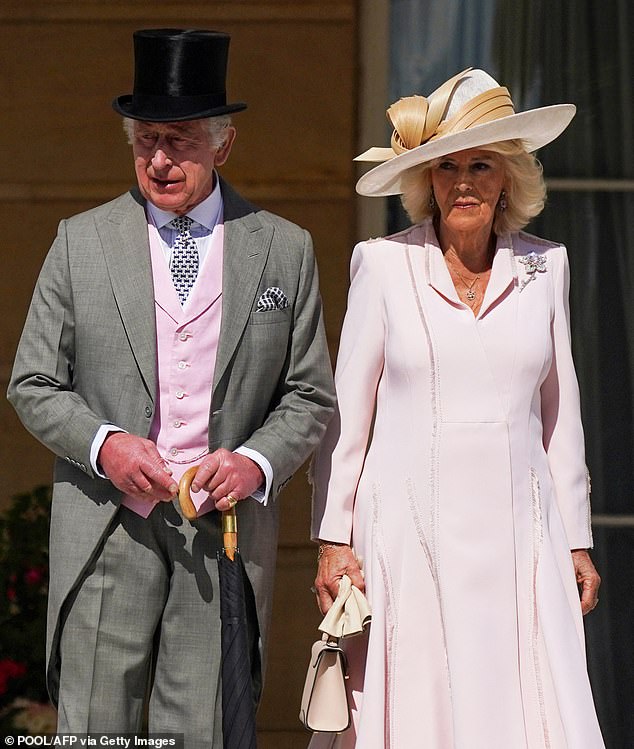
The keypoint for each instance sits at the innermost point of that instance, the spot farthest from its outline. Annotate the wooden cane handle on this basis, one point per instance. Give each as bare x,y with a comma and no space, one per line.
184,494
229,519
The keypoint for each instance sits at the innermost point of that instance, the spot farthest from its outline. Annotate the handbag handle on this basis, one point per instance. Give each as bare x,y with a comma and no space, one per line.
332,647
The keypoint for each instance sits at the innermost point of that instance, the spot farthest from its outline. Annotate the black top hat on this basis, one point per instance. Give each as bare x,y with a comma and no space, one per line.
178,75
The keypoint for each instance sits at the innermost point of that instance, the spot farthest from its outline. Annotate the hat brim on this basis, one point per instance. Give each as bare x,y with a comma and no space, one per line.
535,127
125,106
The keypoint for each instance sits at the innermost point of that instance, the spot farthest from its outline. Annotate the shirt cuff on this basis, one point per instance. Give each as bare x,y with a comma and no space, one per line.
261,494
97,443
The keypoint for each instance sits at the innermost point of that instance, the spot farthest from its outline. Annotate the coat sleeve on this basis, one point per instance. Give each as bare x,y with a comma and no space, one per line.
339,460
561,417
41,384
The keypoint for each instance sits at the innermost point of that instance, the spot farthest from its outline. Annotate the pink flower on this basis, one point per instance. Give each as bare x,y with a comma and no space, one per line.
34,576
10,669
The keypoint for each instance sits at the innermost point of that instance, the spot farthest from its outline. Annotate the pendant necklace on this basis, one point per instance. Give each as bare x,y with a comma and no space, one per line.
470,293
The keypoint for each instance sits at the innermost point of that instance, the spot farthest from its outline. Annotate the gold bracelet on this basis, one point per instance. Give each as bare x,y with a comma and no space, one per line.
326,545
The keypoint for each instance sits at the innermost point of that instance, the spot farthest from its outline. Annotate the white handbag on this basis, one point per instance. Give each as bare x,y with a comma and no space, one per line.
324,706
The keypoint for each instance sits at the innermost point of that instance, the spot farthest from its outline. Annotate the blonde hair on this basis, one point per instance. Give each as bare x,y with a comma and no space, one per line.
525,188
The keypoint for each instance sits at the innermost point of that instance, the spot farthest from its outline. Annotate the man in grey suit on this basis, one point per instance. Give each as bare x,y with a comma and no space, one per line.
176,325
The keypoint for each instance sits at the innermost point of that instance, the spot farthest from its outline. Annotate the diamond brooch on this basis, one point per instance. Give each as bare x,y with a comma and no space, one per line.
533,264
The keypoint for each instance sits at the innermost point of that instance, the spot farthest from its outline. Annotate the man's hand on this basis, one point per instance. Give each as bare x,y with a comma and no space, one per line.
226,474
335,561
135,467
588,580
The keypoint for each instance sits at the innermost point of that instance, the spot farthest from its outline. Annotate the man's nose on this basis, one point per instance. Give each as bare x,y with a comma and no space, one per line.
161,159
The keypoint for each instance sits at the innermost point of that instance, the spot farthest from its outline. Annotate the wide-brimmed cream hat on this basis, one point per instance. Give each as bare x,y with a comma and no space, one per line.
469,110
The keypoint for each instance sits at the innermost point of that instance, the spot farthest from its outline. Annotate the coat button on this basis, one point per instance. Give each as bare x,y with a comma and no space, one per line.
148,411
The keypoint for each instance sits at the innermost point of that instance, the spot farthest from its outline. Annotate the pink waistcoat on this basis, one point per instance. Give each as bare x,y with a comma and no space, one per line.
186,344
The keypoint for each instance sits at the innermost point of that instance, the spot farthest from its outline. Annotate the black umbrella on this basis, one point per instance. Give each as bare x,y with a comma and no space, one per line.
240,633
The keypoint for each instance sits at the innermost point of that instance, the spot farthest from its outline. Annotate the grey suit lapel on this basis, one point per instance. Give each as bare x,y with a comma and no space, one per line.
247,243
126,248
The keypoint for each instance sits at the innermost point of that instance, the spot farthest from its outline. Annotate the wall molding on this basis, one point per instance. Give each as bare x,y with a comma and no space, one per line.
299,190
296,191
229,11
573,184
612,521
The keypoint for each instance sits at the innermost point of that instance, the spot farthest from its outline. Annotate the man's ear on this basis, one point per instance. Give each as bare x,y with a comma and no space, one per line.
222,154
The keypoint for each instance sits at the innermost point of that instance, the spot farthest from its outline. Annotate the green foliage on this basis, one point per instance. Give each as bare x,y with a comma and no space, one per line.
24,528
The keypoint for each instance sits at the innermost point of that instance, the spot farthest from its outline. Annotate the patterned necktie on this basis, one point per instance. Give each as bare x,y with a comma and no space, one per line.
184,257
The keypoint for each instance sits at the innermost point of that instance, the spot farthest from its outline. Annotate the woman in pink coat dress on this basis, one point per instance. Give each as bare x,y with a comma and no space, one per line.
455,470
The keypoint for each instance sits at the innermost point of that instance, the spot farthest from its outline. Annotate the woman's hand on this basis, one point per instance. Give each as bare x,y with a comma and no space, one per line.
588,580
335,561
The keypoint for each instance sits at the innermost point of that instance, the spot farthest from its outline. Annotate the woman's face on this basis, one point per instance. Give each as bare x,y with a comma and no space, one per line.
467,186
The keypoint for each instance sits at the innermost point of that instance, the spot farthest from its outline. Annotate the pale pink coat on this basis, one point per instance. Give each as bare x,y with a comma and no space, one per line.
466,503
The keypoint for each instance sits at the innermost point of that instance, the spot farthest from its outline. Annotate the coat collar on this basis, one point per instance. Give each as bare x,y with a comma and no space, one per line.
439,278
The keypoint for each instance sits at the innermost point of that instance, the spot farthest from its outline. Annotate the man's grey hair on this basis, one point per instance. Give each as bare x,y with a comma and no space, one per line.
215,126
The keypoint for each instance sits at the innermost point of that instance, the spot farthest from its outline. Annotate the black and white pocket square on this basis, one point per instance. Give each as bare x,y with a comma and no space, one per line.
273,298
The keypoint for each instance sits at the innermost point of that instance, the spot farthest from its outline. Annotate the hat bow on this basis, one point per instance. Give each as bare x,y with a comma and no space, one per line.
418,119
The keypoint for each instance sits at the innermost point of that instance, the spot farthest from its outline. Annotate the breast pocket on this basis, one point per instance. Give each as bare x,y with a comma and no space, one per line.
267,337
271,317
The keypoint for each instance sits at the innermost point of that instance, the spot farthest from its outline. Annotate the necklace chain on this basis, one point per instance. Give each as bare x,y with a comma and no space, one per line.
470,286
